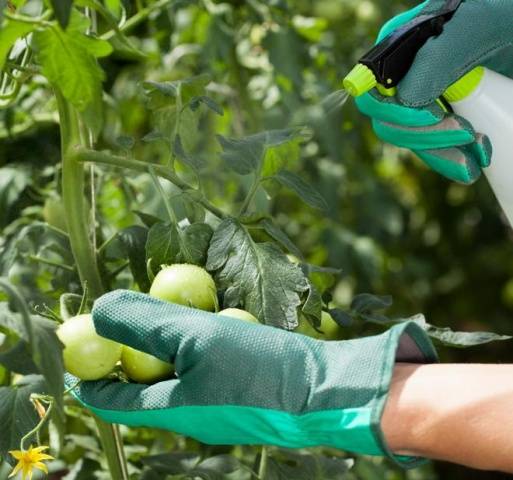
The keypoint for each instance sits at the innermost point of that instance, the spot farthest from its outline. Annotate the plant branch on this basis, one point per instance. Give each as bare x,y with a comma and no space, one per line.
137,18
251,194
105,158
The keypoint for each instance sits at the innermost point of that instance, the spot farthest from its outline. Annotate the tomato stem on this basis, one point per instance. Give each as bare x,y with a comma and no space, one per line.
106,158
262,470
79,231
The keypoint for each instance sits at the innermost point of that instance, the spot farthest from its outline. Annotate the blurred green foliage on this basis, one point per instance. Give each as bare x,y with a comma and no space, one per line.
392,226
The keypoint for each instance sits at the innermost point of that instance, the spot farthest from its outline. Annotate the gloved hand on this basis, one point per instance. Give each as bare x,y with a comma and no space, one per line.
480,33
244,383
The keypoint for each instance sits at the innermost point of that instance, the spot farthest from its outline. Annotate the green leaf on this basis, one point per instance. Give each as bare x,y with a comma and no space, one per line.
17,414
193,161
257,276
249,154
168,244
43,345
13,182
208,102
162,245
367,302
303,190
280,236
285,152
457,339
68,60
9,33
133,239
197,237
172,463
312,308
62,11
165,94
344,319
288,464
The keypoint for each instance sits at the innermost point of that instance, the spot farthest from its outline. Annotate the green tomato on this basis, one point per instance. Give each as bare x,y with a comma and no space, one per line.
87,355
53,213
328,326
142,367
238,313
185,284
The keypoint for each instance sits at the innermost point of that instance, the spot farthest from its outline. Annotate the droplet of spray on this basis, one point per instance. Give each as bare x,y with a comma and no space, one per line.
334,101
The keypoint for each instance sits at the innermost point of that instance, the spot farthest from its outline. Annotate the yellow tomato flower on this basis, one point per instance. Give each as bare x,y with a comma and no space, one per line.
28,460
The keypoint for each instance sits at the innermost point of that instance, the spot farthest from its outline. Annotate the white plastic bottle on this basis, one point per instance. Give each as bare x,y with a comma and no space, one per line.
485,98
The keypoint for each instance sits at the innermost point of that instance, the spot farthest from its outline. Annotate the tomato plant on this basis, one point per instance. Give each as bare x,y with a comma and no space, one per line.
211,137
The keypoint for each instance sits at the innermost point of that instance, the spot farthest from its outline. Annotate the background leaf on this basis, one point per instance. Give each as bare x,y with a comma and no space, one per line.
303,189
62,10
17,414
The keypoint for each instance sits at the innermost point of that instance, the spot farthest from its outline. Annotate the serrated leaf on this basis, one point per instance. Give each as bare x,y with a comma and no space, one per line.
302,189
17,414
39,335
167,244
246,155
126,142
215,468
286,152
162,245
148,219
257,276
13,182
312,308
457,339
73,69
208,102
172,463
164,94
193,161
154,136
280,236
133,239
9,33
62,11
367,302
344,319
197,237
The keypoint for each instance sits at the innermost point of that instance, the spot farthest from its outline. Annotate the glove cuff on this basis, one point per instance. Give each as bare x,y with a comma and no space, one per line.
407,342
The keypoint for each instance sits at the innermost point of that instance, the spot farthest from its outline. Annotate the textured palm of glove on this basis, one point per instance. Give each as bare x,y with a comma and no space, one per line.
480,33
244,383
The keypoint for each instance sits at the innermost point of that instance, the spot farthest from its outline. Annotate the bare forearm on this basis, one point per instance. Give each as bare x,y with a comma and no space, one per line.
459,413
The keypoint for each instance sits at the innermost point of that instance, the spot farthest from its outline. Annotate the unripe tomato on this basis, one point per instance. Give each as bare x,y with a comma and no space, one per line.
142,367
238,313
53,213
185,284
87,355
328,326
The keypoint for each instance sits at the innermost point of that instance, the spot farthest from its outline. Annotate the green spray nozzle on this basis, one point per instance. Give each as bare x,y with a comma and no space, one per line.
387,63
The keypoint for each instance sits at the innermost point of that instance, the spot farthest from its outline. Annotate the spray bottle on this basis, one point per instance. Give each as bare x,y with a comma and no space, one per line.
482,96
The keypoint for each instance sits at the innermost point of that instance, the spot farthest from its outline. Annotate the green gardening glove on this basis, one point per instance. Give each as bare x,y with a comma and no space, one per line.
480,33
245,383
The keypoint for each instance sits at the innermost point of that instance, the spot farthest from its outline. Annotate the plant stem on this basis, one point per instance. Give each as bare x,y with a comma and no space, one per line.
250,195
38,426
84,254
105,158
262,470
137,18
